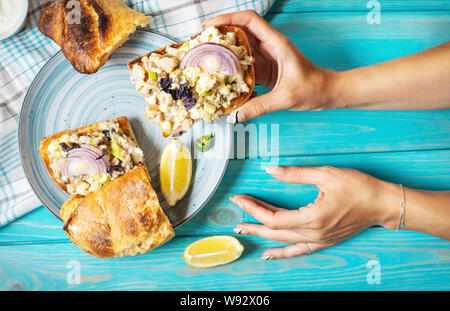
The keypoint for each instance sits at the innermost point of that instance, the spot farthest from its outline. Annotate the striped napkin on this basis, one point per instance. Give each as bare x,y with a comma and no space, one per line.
24,54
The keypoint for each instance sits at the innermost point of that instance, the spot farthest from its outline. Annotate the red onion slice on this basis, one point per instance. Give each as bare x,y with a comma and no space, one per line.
84,161
82,166
90,147
88,151
82,153
212,57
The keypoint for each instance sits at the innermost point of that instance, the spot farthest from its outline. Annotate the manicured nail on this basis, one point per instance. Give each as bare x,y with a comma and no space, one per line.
233,117
241,231
265,258
241,116
275,170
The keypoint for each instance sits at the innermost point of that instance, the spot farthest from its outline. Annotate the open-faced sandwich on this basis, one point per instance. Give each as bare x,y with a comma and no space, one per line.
204,78
124,218
85,159
88,31
114,210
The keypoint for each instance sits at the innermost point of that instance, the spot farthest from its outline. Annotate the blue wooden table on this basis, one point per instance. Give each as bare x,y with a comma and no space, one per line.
408,147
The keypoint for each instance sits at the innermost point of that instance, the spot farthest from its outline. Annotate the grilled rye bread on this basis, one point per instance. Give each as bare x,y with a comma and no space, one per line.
88,31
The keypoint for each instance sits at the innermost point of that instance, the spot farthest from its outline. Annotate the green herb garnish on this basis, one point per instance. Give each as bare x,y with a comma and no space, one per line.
204,143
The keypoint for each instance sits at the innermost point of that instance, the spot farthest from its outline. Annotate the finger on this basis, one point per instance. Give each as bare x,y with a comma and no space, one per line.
298,174
280,219
252,40
262,203
260,105
266,69
298,249
249,19
282,236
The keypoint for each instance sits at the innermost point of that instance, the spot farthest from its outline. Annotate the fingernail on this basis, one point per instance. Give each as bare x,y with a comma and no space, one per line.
241,116
233,117
275,170
265,258
241,231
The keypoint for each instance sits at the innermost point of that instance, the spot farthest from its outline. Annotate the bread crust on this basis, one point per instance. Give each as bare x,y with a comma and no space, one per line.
249,75
123,218
104,27
84,130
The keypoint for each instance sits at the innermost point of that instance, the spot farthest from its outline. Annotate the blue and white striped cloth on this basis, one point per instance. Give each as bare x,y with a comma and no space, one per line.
22,55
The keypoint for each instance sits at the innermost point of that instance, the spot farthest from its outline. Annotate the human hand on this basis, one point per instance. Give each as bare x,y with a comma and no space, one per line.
296,83
349,201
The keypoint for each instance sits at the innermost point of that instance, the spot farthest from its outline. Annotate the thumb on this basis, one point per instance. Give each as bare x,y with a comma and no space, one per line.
259,106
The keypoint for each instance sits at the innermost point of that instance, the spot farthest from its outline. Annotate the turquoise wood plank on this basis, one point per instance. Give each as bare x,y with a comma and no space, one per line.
290,6
424,170
347,131
420,259
345,40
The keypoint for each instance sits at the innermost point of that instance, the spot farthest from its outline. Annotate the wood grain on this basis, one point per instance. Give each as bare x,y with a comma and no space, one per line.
420,259
296,6
345,40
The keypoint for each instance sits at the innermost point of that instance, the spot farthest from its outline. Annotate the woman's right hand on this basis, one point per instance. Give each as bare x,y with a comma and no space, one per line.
296,83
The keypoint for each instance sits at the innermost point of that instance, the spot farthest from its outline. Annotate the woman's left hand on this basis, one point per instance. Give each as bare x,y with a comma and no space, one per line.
349,201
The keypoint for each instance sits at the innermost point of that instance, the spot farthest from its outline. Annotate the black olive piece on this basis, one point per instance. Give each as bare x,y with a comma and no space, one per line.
112,168
75,145
107,134
165,84
117,168
189,101
65,147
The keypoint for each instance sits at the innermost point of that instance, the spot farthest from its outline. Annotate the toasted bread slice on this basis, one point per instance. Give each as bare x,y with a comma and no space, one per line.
249,77
123,218
85,130
88,31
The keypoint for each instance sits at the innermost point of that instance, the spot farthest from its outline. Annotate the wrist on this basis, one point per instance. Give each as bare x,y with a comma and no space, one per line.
388,205
337,89
324,94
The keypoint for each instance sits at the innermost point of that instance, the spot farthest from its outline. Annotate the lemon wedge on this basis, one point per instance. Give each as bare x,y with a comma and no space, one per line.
213,251
175,171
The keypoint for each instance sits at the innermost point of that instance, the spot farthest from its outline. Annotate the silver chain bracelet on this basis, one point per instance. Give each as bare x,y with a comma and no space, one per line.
401,220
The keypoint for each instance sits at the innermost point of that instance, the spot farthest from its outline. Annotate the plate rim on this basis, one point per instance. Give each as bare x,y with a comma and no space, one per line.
20,134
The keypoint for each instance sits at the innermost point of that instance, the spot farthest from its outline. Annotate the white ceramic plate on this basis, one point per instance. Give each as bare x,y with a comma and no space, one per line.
61,98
